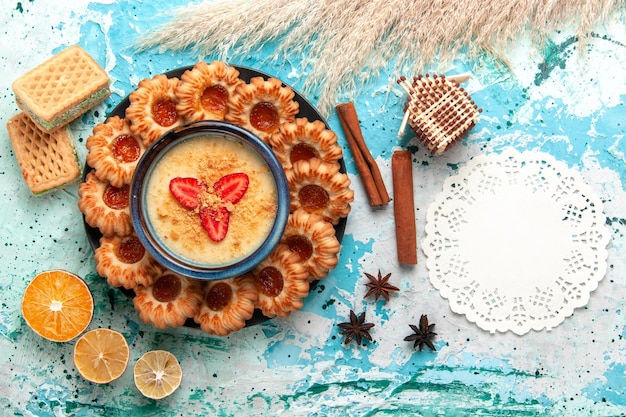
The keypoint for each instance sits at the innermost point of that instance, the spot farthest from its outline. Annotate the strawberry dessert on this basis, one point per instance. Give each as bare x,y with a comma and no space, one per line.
211,200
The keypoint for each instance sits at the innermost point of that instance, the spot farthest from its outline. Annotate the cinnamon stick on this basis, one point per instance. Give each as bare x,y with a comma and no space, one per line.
404,206
361,165
365,162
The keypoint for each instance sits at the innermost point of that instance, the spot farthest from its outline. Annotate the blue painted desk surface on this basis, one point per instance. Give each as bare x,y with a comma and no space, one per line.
552,100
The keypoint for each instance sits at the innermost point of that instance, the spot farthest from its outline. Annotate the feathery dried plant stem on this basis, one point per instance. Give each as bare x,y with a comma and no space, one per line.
222,26
343,43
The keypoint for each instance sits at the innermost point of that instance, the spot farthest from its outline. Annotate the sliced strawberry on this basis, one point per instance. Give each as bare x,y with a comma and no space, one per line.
230,188
186,191
215,221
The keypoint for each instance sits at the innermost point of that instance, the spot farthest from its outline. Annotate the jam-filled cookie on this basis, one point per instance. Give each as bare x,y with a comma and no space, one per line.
281,281
303,139
124,262
314,240
318,187
152,110
262,106
227,304
204,90
105,207
169,301
114,151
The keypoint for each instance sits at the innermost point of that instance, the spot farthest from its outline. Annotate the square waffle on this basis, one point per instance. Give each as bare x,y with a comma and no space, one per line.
62,88
438,111
48,161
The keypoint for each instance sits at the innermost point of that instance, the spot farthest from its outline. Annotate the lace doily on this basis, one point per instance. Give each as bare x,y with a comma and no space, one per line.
516,241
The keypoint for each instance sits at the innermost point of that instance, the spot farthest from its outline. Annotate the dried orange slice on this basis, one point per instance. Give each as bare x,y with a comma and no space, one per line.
157,374
57,305
101,355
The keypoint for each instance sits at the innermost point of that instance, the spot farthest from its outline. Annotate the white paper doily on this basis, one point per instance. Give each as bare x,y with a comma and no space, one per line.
516,241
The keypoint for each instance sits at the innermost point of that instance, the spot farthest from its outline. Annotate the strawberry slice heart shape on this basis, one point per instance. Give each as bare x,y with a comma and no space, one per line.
186,191
232,187
215,221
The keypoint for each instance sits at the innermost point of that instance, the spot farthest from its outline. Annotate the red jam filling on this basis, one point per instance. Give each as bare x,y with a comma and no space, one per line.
313,198
270,280
218,297
125,148
300,245
164,112
302,151
215,98
130,250
166,288
116,198
264,117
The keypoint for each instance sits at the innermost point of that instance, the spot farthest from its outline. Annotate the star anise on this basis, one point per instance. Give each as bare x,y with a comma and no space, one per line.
379,286
423,334
356,328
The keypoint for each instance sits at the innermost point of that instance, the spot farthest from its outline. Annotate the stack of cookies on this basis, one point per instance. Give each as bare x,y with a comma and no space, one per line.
438,110
50,96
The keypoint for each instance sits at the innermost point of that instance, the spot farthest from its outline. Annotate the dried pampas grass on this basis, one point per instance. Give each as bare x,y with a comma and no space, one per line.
343,43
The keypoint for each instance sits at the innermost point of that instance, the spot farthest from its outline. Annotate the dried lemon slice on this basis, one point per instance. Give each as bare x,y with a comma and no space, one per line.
101,355
157,374
57,305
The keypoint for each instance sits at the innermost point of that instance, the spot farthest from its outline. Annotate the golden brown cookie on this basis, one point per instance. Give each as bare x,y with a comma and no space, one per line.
281,281
169,301
319,188
262,106
314,240
47,161
105,207
62,88
303,139
114,151
124,262
227,304
204,90
152,110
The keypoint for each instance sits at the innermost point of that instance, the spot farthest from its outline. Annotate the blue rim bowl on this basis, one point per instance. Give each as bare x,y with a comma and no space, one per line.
139,214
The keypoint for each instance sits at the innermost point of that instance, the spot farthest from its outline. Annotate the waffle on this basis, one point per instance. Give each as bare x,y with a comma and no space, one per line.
438,111
62,88
48,160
